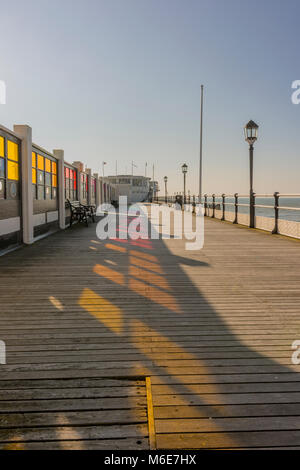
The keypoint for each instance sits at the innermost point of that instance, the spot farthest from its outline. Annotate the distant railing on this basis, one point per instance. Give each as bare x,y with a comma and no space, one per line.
236,208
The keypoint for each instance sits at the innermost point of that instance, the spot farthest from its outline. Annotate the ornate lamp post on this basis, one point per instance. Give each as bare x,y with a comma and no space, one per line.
251,131
166,189
103,165
184,171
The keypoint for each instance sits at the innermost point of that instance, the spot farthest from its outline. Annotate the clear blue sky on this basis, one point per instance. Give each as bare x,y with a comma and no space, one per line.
120,80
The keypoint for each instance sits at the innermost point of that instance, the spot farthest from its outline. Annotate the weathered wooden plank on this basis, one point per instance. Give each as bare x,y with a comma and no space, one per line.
76,393
258,378
230,411
177,358
206,325
217,339
228,398
71,383
200,346
142,370
73,433
140,443
129,348
226,388
233,440
116,403
78,418
265,423
98,331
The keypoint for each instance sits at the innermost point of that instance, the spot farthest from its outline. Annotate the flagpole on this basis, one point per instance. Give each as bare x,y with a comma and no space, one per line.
201,145
133,166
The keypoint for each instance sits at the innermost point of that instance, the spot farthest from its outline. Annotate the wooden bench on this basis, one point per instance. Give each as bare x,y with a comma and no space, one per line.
81,212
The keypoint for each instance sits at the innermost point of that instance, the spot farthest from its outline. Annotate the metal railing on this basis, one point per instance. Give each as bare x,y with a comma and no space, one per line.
172,199
220,202
276,207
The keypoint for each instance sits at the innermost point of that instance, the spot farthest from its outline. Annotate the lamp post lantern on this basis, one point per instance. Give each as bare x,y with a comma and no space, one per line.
166,189
251,132
184,171
103,165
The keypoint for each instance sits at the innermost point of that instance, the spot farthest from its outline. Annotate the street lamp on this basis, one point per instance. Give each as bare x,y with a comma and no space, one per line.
103,165
251,131
184,171
166,191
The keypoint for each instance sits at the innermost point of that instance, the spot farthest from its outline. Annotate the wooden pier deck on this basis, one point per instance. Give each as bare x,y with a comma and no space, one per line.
85,322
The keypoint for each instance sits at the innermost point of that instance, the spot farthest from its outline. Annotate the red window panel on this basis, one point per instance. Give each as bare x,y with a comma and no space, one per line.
75,178
67,173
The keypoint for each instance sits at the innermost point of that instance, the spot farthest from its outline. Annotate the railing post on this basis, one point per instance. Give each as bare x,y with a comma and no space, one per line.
276,208
223,206
214,206
205,205
252,210
236,208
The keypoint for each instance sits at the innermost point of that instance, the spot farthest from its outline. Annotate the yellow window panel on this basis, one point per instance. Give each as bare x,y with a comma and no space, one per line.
33,176
12,151
40,162
48,165
33,159
54,181
1,146
54,168
12,171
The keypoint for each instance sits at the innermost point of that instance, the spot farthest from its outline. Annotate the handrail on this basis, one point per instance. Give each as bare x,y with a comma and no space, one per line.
289,208
210,203
256,195
214,207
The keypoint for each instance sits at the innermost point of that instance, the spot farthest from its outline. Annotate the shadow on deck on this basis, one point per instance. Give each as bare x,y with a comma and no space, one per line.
85,321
